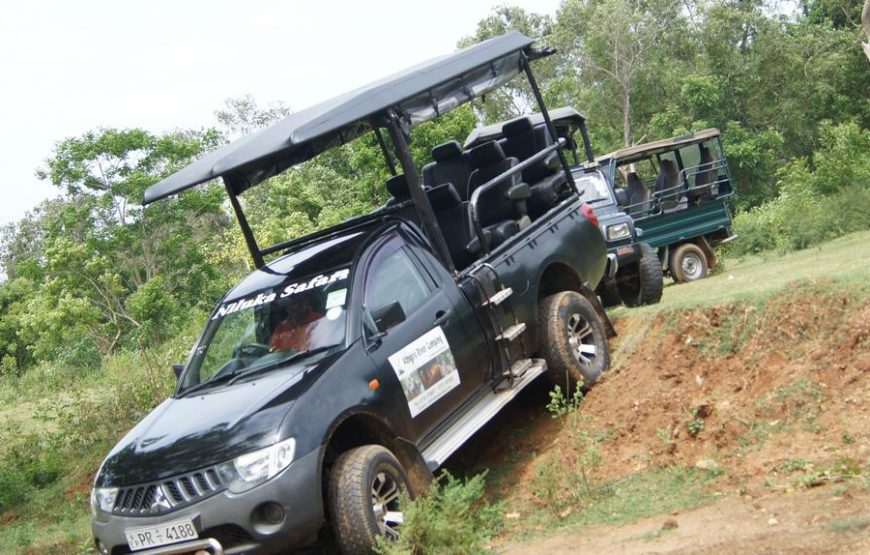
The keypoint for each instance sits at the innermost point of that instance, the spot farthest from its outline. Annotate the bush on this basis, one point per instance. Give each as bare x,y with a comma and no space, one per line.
450,518
817,202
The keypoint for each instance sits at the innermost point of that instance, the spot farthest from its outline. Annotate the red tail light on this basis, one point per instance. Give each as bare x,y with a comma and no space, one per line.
589,213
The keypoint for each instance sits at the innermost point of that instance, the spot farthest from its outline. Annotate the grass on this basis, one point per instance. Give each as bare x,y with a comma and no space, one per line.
844,259
850,525
638,495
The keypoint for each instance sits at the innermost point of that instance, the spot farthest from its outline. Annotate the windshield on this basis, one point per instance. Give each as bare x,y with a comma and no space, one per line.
264,329
594,188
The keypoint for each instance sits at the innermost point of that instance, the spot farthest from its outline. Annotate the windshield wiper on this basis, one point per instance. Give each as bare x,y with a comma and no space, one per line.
236,376
214,381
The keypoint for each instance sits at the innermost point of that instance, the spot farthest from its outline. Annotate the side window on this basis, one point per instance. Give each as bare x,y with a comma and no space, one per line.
393,277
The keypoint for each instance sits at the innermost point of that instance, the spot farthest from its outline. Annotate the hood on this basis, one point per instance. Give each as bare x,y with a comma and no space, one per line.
216,425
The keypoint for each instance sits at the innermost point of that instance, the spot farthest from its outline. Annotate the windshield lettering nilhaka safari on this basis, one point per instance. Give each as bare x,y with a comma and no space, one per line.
270,329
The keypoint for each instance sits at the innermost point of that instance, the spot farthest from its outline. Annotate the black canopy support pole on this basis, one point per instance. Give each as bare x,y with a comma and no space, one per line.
524,60
243,223
385,150
587,144
421,201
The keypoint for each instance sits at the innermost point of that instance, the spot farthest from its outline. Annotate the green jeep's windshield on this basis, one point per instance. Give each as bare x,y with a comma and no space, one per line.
263,330
593,187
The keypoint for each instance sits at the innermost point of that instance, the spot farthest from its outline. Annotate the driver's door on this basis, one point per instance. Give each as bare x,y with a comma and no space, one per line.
427,351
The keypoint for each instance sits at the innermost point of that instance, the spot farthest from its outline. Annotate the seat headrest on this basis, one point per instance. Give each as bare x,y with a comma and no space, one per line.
486,154
447,151
443,196
522,125
397,186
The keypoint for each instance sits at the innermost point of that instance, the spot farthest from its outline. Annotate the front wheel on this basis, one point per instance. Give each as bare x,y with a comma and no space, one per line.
688,263
650,280
573,340
365,487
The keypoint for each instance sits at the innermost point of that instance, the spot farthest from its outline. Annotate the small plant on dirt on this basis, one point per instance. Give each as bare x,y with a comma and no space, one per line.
696,424
560,404
584,439
450,518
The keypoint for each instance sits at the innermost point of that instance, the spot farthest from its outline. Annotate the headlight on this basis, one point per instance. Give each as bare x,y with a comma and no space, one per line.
618,231
102,501
251,469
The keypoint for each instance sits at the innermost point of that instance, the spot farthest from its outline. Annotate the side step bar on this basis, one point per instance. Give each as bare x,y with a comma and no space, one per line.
478,415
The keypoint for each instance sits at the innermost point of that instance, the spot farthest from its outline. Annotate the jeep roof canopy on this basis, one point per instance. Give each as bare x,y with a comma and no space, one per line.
396,103
656,147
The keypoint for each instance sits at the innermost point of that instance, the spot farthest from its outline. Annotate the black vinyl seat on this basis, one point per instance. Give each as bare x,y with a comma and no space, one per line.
397,186
705,179
501,209
638,196
522,141
668,193
450,165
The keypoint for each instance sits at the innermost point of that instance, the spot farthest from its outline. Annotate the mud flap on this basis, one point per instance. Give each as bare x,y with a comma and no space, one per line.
599,308
415,465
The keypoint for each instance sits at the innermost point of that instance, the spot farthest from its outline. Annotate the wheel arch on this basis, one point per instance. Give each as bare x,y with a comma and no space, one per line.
559,276
360,427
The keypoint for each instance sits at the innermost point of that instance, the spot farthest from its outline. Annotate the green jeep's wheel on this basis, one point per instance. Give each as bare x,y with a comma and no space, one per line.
688,263
364,491
650,280
572,340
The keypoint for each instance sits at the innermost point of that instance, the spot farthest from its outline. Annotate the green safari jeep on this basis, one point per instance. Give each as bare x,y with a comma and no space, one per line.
676,190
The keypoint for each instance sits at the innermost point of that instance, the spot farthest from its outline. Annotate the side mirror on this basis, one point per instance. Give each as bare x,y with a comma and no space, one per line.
178,369
388,315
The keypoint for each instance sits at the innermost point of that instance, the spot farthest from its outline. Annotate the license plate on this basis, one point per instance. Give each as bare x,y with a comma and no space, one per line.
160,534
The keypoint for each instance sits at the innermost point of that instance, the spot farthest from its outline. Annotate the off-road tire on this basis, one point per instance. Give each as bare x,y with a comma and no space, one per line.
650,280
351,496
563,319
688,263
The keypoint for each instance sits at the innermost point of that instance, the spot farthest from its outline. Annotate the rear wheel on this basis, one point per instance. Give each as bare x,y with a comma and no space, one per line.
364,493
573,340
688,263
650,280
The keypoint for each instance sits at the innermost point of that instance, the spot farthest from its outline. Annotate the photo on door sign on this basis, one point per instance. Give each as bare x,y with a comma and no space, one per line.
426,370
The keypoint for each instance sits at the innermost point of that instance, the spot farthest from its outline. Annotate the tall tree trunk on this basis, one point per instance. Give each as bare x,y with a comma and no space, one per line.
865,23
626,116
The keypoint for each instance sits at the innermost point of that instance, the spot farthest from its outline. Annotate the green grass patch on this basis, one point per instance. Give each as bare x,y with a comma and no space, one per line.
843,261
849,525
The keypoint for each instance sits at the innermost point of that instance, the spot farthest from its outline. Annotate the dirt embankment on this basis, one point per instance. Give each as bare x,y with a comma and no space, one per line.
771,399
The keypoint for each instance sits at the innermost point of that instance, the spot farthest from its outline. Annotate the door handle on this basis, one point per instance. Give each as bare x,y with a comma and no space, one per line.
442,316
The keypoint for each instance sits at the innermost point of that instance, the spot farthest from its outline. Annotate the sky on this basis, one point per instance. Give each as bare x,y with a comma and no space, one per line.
70,67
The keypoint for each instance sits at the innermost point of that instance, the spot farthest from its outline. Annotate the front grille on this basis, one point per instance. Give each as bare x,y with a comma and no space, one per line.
167,495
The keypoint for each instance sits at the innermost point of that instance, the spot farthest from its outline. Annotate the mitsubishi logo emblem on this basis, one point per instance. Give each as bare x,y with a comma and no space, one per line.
160,500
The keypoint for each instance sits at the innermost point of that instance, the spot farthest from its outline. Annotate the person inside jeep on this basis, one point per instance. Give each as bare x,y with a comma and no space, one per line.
300,328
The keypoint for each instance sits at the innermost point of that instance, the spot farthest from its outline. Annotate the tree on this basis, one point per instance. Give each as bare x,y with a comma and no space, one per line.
609,44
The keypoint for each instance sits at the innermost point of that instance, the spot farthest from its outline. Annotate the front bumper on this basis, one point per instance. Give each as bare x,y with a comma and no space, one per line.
623,255
237,521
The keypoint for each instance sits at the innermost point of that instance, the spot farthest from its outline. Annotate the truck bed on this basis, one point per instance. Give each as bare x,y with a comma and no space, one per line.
695,221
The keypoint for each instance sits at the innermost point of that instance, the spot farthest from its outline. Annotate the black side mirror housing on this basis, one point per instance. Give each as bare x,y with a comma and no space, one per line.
178,369
388,315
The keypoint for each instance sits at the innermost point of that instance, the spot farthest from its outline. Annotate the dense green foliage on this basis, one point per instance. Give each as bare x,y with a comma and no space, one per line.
96,284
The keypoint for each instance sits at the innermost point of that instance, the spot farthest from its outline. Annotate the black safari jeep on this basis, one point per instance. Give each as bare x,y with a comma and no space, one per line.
353,363
634,273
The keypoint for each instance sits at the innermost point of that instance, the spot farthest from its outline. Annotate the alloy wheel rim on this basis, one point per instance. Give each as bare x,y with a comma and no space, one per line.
385,504
581,340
